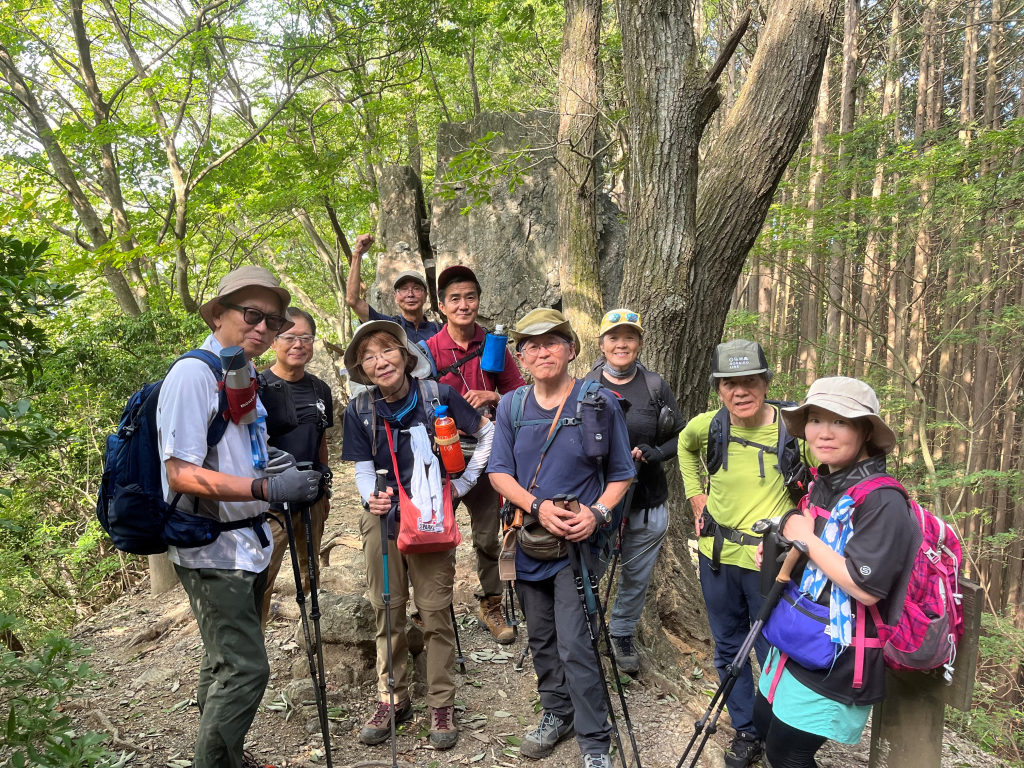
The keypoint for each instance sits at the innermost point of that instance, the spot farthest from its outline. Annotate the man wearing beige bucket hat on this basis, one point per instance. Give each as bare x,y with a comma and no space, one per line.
230,482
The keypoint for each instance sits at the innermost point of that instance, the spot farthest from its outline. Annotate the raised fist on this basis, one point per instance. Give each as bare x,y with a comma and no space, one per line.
363,243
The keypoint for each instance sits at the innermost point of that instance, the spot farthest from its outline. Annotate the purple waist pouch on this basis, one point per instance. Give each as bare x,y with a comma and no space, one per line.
798,627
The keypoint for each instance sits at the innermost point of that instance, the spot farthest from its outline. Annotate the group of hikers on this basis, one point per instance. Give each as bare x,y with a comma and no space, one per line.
558,475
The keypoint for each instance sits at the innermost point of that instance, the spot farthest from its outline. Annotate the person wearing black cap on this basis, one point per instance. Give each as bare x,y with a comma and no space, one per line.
739,444
410,297
462,339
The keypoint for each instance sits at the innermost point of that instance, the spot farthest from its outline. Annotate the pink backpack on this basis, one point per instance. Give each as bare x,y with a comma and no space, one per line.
932,622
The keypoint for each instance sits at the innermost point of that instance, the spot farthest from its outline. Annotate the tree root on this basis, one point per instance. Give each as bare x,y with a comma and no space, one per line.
115,735
157,630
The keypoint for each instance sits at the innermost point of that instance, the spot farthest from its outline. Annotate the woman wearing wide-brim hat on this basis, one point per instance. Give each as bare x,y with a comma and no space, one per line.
861,553
379,357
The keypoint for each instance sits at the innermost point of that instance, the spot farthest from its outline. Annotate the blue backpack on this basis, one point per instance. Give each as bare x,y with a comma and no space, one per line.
131,506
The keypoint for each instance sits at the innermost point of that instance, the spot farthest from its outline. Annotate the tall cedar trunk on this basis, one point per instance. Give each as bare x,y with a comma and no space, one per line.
810,310
838,289
872,263
578,97
926,90
687,241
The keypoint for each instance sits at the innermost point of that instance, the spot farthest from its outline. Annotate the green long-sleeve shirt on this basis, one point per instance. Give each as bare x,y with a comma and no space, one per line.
739,496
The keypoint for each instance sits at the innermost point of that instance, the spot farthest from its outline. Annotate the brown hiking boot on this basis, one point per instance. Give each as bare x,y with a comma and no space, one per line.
491,616
377,729
443,731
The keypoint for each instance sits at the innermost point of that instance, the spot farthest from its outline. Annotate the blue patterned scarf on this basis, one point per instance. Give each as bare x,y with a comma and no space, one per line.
837,532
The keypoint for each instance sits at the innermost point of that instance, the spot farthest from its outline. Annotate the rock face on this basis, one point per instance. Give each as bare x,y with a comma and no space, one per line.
403,231
509,241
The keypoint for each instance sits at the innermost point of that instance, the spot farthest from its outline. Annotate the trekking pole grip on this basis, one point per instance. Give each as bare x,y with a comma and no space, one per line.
798,550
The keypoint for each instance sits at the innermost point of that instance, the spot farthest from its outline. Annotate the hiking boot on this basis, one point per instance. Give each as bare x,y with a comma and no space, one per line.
492,617
443,732
597,761
626,656
746,749
377,729
541,741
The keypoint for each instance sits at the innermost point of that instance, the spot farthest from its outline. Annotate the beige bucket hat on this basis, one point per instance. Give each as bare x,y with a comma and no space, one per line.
846,397
352,366
539,321
246,277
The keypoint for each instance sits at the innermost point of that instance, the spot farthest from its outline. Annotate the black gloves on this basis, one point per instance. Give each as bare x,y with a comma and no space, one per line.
295,485
651,455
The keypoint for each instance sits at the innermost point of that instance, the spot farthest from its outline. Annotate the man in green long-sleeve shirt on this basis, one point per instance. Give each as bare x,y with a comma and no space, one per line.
748,482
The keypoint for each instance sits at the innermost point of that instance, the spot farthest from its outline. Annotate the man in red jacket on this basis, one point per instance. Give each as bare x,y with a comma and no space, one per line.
458,292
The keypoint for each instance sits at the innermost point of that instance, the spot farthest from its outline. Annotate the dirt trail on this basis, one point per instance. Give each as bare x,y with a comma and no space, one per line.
148,650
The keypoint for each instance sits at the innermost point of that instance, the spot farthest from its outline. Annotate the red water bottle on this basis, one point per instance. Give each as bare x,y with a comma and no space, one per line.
446,436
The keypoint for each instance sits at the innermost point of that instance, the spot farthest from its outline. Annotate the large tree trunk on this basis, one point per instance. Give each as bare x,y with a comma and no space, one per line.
810,312
578,95
687,241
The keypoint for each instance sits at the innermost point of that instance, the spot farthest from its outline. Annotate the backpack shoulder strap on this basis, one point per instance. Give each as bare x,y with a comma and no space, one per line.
653,382
518,406
860,491
431,396
220,422
718,440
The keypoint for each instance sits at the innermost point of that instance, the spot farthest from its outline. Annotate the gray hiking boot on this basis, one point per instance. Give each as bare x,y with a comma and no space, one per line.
626,656
541,741
377,729
597,761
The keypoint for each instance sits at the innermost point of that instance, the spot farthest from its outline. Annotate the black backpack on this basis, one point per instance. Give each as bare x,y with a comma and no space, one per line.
789,462
653,381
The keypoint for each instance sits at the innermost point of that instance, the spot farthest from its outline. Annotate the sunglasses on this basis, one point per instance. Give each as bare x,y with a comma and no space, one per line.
255,317
617,317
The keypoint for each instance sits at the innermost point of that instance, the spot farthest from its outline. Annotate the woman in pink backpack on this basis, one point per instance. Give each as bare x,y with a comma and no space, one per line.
861,538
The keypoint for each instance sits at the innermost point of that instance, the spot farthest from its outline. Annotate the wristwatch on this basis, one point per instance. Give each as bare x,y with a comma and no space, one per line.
604,514
535,507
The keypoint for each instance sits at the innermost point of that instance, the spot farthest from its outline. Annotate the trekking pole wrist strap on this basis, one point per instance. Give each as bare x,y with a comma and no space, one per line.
257,490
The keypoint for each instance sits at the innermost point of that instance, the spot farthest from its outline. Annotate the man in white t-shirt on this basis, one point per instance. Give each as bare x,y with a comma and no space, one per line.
229,482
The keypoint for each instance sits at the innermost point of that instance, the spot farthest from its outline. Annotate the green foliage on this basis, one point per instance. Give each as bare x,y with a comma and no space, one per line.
33,685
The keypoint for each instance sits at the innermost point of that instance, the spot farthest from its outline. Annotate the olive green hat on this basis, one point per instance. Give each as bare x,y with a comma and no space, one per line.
539,321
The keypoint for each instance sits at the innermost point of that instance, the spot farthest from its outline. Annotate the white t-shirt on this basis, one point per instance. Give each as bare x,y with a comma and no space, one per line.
187,406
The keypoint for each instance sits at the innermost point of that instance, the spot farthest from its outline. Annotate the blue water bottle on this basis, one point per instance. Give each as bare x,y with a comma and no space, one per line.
493,358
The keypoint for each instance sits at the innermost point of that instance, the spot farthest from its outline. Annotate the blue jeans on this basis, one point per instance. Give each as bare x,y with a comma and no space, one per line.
733,598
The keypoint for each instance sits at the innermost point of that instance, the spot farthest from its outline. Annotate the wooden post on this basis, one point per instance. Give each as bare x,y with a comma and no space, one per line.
906,727
162,575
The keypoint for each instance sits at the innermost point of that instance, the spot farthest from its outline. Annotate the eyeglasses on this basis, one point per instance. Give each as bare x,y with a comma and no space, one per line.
531,348
253,316
410,288
393,354
617,317
305,339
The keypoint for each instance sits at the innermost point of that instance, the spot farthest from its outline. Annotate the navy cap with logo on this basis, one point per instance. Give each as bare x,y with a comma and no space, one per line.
738,357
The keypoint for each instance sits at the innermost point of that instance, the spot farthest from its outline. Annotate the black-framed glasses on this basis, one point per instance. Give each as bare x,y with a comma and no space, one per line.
253,316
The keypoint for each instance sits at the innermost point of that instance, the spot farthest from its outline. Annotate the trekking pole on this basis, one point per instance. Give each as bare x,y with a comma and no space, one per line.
589,603
459,658
510,610
708,723
314,614
381,488
617,552
592,579
300,598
